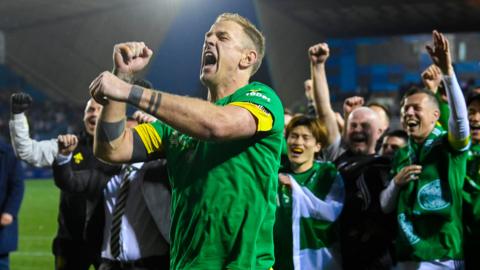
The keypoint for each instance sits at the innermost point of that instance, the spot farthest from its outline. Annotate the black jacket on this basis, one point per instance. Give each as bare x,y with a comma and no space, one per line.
366,233
91,183
72,212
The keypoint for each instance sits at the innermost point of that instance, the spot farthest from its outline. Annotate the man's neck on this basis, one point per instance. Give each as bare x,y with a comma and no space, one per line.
421,140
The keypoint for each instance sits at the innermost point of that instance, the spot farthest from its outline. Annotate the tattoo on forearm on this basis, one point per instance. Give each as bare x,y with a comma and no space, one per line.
107,132
135,95
154,103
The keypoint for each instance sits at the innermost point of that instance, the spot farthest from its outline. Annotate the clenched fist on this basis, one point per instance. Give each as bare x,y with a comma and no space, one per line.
351,104
130,57
108,86
67,144
20,102
319,53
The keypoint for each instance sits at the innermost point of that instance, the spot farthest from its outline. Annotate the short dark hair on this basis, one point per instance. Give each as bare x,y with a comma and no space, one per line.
398,133
472,96
417,90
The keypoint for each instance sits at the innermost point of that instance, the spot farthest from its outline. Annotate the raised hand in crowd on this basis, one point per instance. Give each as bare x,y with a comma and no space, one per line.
67,144
318,55
440,53
351,104
432,77
20,102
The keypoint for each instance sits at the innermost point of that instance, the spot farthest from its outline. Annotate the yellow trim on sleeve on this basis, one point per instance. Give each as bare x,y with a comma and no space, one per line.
265,120
458,144
150,138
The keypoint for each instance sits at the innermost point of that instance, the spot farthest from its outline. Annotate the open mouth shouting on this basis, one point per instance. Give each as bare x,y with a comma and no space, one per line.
358,137
209,61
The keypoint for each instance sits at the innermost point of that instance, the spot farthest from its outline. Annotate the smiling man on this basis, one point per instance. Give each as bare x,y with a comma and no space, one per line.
223,154
429,174
310,199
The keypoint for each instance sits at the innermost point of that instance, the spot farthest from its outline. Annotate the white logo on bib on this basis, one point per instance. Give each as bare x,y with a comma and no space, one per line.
430,197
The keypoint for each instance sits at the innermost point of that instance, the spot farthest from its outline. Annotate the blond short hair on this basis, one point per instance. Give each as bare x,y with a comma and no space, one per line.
251,31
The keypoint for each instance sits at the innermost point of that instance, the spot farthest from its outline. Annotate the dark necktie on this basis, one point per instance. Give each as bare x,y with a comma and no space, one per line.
118,212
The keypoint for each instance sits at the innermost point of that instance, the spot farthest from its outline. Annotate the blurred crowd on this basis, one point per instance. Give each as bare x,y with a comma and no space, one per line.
47,118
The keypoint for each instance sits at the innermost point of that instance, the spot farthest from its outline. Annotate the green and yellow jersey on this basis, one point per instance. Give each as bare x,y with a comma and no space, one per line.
223,193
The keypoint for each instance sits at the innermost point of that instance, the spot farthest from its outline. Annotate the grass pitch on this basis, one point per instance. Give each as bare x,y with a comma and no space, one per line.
38,226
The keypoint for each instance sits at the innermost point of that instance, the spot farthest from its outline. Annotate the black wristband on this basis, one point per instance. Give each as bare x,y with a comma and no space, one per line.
135,95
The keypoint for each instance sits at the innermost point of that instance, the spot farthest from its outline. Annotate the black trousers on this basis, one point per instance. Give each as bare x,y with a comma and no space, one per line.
76,262
75,255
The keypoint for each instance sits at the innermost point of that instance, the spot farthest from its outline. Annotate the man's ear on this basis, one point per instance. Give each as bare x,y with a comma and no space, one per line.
249,58
436,113
318,147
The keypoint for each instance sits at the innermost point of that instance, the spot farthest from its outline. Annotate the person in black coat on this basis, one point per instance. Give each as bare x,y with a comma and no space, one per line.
11,194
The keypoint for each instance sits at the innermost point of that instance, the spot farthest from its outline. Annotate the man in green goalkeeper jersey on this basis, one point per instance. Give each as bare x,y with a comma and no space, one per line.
429,174
223,155
310,199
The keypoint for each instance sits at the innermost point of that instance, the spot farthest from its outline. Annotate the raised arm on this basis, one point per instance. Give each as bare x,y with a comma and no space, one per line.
195,117
318,55
432,79
458,127
35,153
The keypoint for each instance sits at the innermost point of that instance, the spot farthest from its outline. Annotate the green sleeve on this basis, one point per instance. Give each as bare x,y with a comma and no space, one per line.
264,96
